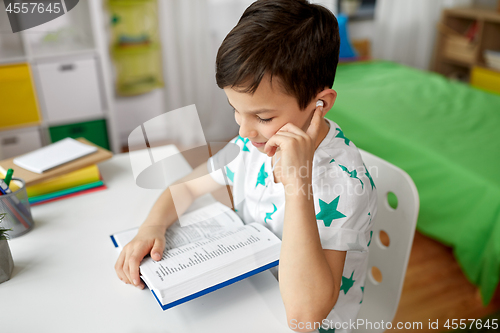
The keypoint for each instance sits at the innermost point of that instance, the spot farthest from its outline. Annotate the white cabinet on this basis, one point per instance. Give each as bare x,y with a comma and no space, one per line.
70,90
70,65
17,142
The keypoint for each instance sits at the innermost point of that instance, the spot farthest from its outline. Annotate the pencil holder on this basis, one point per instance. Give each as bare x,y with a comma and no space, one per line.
17,208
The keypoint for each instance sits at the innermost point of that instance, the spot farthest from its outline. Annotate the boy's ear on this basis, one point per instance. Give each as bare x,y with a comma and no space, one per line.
328,96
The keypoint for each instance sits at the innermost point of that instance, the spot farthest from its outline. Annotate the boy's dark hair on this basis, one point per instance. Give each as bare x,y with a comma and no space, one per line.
292,40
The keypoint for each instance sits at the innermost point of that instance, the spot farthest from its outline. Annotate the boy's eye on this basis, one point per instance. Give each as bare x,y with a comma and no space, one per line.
264,120
260,119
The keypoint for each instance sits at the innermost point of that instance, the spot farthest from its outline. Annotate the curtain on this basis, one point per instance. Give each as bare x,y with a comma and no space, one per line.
191,32
405,30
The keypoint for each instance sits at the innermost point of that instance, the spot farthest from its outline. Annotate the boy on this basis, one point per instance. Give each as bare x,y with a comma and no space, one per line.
296,172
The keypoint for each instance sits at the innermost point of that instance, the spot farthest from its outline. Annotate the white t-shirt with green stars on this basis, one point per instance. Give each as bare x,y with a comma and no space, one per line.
345,203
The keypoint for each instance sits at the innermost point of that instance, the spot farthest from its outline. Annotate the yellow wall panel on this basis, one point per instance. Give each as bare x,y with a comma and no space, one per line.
18,103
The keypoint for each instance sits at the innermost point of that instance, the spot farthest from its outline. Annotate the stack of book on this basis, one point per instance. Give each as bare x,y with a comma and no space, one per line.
57,174
85,180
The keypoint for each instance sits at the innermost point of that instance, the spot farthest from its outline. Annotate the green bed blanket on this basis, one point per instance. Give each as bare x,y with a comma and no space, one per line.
446,136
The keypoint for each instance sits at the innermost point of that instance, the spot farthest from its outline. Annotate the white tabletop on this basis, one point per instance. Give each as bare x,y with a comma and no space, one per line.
64,278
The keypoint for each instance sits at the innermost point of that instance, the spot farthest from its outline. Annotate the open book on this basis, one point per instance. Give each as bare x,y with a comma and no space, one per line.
213,248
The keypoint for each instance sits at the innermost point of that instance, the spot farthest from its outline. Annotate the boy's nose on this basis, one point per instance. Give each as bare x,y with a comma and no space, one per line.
246,131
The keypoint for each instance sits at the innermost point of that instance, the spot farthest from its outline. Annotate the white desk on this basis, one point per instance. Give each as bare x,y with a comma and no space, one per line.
64,278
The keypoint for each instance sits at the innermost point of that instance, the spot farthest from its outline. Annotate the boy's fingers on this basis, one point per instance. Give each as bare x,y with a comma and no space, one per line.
159,246
289,134
290,128
134,262
127,267
313,128
119,267
134,269
274,143
126,271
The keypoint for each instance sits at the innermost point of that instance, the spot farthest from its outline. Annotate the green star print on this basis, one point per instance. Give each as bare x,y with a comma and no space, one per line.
341,136
352,174
371,234
261,177
245,141
369,177
347,283
230,174
362,294
268,215
328,211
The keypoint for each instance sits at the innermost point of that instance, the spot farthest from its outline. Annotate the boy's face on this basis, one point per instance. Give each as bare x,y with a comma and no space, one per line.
262,114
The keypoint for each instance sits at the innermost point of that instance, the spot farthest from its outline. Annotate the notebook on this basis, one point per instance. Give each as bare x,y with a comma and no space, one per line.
32,178
54,155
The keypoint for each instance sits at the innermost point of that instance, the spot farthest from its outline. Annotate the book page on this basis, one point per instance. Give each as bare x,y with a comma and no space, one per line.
201,223
181,264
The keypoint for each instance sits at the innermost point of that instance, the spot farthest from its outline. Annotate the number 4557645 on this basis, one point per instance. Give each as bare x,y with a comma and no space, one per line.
33,7
474,323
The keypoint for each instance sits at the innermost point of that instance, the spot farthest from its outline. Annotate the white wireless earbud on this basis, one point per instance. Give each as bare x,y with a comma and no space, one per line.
319,103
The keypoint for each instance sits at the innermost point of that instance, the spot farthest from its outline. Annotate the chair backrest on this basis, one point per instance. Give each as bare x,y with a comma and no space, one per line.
380,299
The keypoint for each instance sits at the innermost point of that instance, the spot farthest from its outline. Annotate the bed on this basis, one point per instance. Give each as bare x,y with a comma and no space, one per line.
446,136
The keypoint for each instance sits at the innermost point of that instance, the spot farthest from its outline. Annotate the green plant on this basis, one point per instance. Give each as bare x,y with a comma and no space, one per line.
3,232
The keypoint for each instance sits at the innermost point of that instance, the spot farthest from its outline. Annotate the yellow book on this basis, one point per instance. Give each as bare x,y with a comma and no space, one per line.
76,178
79,177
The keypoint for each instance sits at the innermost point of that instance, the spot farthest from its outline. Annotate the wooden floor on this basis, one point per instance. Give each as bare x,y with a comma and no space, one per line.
435,288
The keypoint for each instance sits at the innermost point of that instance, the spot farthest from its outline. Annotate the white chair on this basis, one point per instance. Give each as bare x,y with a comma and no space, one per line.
380,299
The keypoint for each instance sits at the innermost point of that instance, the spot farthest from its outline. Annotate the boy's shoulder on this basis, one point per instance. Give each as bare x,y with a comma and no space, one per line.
338,161
337,149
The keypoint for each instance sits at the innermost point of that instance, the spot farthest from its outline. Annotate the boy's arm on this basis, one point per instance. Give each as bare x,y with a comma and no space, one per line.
151,235
309,276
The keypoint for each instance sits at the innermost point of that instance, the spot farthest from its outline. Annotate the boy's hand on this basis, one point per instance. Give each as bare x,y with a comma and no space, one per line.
297,150
149,240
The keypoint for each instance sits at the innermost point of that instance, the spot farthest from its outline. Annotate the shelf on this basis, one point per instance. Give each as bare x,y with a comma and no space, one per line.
67,53
11,45
11,60
74,120
8,52
490,40
479,13
78,35
457,55
457,62
135,49
69,33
